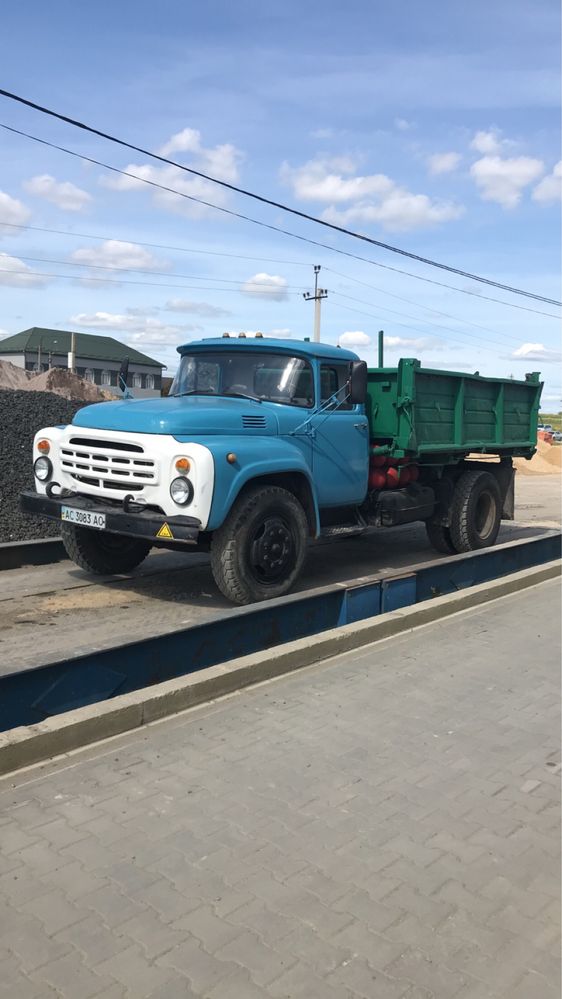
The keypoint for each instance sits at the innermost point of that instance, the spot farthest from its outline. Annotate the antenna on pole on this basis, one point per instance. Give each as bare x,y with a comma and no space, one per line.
319,294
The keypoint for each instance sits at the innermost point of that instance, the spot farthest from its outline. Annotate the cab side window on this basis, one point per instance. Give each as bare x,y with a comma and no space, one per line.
334,378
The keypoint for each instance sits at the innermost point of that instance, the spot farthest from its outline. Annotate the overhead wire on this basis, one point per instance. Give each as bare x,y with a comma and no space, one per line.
271,227
107,280
272,203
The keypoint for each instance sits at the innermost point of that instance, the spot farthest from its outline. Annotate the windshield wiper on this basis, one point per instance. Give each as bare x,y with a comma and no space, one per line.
242,395
178,395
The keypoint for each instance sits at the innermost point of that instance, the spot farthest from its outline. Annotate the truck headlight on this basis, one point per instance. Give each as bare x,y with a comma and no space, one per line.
43,469
181,491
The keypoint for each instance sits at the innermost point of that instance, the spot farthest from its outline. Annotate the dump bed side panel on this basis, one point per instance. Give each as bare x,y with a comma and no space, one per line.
430,412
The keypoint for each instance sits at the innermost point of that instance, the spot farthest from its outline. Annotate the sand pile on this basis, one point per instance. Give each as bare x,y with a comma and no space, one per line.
65,383
58,380
547,461
12,377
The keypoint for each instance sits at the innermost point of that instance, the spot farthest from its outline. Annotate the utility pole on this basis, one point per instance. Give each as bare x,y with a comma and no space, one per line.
319,294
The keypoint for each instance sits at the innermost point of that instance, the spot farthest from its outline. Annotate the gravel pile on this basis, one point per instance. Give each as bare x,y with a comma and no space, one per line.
22,414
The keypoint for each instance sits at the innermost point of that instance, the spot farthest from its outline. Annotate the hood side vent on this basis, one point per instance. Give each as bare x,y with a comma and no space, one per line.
251,422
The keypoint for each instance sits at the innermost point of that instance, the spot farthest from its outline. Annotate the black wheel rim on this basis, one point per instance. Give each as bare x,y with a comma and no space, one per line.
272,550
485,514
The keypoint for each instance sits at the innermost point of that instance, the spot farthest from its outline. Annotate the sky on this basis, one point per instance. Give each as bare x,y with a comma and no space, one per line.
432,127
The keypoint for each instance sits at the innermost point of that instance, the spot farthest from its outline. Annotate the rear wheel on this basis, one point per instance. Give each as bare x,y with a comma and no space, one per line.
440,538
103,553
258,552
475,511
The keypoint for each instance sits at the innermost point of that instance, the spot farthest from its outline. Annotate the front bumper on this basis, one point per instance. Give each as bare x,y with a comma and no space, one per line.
137,523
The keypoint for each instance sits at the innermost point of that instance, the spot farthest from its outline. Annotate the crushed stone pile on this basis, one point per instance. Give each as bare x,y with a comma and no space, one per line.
22,414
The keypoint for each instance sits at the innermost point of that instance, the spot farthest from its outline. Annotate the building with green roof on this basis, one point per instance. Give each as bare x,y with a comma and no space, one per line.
97,358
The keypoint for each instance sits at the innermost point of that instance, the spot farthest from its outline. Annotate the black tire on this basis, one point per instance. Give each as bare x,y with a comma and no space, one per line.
257,554
103,553
475,511
440,538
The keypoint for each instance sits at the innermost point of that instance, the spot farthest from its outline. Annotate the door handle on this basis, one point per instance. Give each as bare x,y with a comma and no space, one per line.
360,426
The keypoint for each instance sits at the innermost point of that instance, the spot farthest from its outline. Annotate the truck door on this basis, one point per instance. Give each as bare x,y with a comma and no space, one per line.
340,445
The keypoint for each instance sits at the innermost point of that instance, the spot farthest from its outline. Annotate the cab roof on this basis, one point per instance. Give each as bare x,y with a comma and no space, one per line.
270,345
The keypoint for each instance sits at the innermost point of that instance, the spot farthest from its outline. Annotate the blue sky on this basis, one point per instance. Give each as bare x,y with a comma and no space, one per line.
434,127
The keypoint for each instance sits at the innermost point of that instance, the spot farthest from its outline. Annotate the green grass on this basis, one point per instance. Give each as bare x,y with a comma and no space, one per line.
555,419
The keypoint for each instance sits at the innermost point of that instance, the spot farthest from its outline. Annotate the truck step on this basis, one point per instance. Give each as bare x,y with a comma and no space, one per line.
343,530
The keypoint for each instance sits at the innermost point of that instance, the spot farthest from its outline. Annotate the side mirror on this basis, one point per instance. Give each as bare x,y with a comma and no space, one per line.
358,383
122,376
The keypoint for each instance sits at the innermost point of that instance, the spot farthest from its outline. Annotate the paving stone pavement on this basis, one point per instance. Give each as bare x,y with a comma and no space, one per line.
382,826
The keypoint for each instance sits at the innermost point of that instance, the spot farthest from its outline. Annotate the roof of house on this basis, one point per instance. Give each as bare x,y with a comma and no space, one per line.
88,345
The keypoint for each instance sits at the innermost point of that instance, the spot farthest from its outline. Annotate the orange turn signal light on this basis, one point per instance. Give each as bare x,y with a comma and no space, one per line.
43,446
231,458
183,465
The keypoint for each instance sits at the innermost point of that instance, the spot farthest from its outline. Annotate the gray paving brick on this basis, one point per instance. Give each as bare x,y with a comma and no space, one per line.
131,969
330,848
203,970
70,977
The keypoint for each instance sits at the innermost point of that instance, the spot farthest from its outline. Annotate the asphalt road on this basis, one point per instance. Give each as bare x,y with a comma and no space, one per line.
56,611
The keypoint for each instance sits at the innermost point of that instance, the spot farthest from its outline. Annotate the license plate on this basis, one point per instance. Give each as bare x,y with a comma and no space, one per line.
85,518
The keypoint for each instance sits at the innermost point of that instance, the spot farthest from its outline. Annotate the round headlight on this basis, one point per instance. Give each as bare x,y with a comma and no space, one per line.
181,491
43,469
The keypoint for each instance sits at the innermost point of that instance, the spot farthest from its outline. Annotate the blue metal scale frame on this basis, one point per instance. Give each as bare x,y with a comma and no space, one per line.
29,696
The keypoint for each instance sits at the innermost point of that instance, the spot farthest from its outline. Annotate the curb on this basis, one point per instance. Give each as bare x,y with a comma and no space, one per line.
41,551
27,745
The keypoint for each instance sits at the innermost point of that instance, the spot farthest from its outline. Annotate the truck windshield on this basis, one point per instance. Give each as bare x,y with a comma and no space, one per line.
264,376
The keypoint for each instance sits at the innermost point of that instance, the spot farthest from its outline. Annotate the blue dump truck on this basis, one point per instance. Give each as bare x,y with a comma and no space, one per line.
264,444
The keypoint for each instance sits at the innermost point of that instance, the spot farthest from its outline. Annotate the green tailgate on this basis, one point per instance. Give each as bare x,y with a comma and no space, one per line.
427,412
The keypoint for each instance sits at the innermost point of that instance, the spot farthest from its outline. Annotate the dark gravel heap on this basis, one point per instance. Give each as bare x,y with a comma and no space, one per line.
22,414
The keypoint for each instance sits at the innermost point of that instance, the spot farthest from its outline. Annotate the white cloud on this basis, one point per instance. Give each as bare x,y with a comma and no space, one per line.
326,180
4,334
443,162
402,124
322,133
196,308
550,187
12,211
503,180
186,141
134,328
270,286
114,253
354,338
374,198
487,143
220,161
415,343
62,193
536,352
399,211
16,274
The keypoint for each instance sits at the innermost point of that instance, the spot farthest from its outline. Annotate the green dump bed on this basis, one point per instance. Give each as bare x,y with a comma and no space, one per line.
430,412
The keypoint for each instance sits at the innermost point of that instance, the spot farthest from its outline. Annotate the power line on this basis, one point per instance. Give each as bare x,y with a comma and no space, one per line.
153,284
472,336
153,246
409,301
275,228
406,315
139,270
275,204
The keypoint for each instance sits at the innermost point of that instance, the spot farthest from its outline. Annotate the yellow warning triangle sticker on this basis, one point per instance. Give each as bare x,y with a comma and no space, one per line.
164,532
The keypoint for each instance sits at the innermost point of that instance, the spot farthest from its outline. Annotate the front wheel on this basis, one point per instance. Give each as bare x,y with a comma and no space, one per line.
475,511
100,552
258,552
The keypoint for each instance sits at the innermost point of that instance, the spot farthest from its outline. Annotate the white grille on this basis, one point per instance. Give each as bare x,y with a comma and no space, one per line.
106,464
